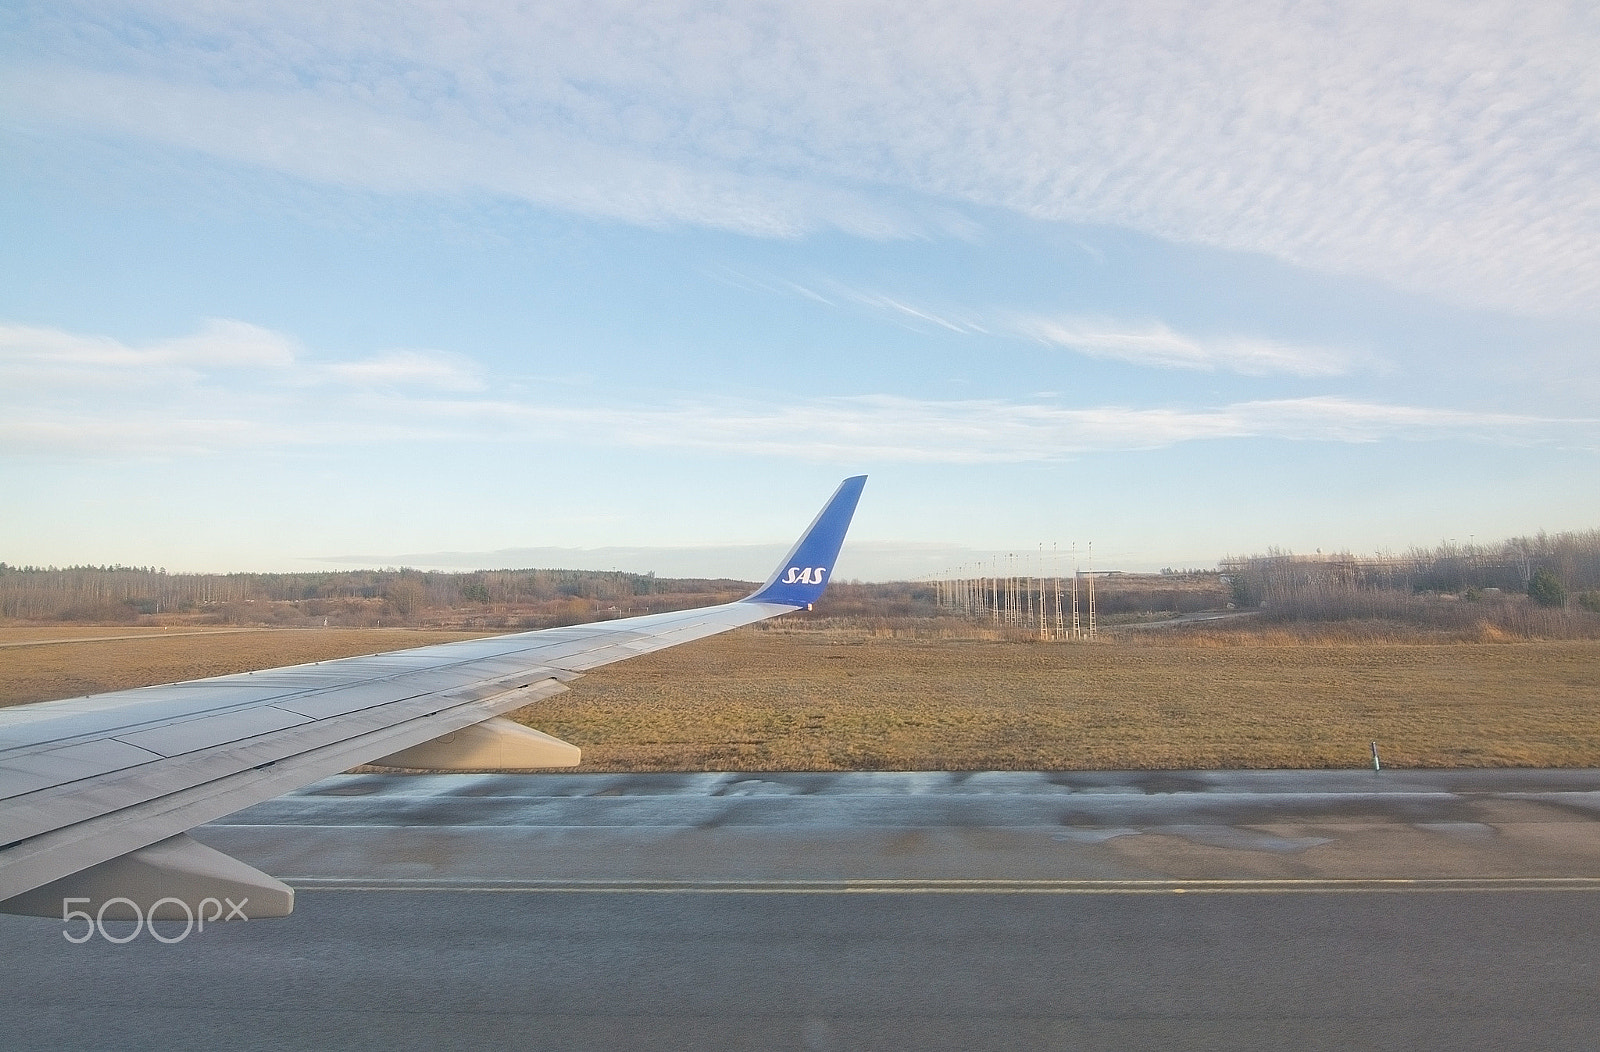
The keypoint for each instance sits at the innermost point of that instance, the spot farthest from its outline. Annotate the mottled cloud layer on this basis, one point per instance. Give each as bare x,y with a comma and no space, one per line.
1447,147
236,386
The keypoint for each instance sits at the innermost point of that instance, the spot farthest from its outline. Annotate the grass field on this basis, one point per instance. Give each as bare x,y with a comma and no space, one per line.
837,699
755,700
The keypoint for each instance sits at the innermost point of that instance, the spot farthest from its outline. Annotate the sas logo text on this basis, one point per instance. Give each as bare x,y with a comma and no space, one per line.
804,575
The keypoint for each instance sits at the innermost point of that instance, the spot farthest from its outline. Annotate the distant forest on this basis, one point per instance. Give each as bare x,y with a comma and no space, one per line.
1450,568
1467,583
355,598
1544,585
498,599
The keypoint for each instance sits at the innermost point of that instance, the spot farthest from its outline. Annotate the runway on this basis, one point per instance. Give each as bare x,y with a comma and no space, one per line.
1228,910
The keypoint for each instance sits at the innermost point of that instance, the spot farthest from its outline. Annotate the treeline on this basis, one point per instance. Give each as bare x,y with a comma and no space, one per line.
496,598
1544,585
533,598
1172,592
1451,568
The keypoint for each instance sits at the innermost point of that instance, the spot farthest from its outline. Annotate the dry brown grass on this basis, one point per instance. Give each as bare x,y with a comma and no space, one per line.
754,700
852,699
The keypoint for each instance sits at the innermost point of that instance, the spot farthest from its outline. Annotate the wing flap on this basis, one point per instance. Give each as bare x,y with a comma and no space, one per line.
175,739
49,767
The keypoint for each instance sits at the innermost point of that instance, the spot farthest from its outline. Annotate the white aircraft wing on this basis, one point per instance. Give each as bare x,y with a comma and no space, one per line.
96,792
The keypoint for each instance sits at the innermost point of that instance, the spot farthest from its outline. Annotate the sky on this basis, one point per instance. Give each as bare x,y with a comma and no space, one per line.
633,285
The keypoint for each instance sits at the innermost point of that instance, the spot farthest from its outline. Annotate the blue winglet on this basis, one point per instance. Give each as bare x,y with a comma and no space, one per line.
801,577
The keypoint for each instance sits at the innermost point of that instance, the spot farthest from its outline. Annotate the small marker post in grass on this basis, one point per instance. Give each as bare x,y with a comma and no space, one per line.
1375,765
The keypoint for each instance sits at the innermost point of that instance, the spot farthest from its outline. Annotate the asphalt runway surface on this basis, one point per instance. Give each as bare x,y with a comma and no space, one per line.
1217,910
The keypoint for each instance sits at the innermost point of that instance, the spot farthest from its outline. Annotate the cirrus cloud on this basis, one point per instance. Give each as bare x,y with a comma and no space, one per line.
1155,344
1452,148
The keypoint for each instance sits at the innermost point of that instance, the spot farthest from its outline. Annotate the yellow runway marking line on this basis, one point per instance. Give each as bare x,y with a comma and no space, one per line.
959,887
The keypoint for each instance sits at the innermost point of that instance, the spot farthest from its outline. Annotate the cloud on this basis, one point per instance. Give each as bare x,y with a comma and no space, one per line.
52,366
917,318
49,362
1148,343
331,139
407,368
221,342
1445,147
1154,344
218,343
831,293
234,386
888,428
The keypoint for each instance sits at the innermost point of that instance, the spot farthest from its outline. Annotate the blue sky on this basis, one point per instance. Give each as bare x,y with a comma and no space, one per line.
468,284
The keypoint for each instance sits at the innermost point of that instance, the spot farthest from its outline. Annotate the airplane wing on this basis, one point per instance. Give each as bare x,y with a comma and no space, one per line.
96,792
